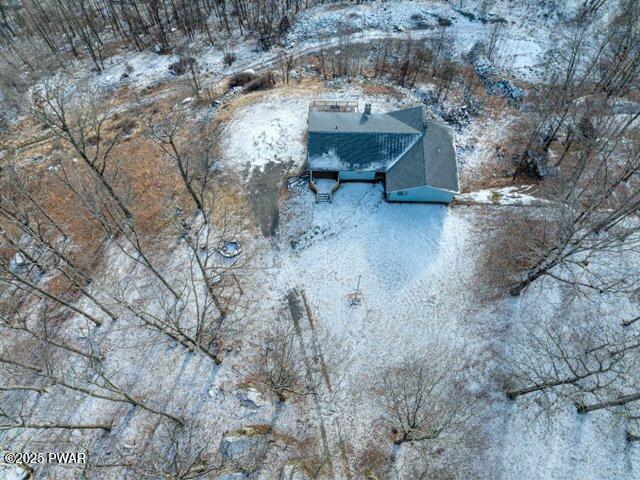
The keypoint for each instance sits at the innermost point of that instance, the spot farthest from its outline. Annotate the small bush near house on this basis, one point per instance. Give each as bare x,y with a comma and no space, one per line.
182,66
242,78
264,82
229,58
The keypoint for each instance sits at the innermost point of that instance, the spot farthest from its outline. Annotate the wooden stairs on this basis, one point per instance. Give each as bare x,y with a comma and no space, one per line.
323,197
324,192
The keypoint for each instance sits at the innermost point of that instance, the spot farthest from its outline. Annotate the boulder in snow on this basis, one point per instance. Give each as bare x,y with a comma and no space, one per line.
252,398
487,73
18,264
292,472
624,107
245,447
232,476
14,472
505,88
37,159
182,66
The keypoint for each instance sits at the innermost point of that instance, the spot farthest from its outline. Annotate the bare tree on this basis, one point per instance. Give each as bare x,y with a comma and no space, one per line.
420,401
591,364
494,41
87,378
11,421
42,241
593,180
80,118
36,322
279,365
69,30
572,361
596,198
586,69
173,452
287,63
485,6
214,284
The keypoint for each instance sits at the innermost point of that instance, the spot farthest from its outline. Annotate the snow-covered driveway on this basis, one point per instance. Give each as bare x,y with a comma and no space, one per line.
414,277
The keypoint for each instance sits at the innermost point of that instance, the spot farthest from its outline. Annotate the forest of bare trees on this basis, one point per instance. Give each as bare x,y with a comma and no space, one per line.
587,158
109,288
66,28
195,310
587,238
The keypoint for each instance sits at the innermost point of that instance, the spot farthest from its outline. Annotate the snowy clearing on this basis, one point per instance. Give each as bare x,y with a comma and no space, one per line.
514,195
211,309
415,267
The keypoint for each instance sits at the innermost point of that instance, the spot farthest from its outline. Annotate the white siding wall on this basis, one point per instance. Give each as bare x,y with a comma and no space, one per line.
347,175
421,194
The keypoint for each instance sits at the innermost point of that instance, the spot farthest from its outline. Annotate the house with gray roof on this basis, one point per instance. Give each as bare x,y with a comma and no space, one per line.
415,159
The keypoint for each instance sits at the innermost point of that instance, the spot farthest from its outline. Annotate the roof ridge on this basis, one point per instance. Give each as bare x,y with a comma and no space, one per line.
399,118
391,164
386,116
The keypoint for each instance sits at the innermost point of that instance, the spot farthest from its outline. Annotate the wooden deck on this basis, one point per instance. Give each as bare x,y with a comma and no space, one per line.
333,106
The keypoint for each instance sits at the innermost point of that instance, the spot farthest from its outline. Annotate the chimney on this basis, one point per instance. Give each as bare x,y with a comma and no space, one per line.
367,109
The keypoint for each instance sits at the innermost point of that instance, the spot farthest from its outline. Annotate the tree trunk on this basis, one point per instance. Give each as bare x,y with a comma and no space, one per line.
616,402
626,323
513,394
55,298
64,426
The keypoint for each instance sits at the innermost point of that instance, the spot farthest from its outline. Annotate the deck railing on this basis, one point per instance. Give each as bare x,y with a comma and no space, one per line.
333,106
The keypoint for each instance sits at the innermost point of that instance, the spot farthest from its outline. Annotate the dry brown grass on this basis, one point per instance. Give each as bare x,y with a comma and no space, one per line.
372,463
144,175
513,239
377,89
155,185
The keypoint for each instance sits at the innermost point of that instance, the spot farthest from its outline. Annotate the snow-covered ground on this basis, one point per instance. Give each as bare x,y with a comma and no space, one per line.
267,131
415,268
400,253
526,26
514,195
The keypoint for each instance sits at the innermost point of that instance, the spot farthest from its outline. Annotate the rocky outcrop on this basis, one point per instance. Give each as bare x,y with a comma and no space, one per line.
488,74
232,476
246,447
292,471
182,66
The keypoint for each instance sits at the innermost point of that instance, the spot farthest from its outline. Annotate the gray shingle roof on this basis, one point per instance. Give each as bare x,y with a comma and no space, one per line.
398,143
344,151
409,171
414,117
440,157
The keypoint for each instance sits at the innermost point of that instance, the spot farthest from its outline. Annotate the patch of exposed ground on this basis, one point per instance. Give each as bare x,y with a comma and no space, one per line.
263,189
